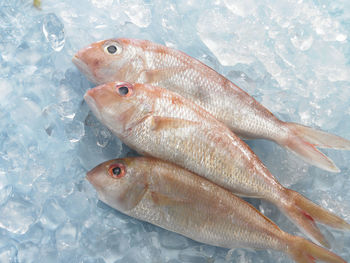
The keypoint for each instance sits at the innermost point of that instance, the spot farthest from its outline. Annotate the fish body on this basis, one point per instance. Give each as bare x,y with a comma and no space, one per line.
142,61
160,123
173,198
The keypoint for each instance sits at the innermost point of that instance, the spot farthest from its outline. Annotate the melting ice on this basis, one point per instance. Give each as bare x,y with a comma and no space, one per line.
291,56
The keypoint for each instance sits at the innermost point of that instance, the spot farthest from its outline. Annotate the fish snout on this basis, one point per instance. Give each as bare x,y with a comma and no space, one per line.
89,176
87,61
96,174
81,57
92,92
91,97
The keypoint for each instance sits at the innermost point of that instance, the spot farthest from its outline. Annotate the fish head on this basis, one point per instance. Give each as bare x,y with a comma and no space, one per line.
120,183
120,105
109,60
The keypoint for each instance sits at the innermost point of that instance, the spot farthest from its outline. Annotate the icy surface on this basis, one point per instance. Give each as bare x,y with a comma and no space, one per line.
292,56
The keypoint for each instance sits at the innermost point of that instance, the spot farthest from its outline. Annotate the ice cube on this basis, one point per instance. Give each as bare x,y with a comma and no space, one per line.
75,131
173,241
138,12
28,252
102,3
194,255
53,214
291,56
53,30
8,254
93,260
66,236
14,209
5,193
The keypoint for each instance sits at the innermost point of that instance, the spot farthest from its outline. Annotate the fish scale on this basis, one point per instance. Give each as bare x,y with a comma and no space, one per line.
180,201
162,124
146,62
198,142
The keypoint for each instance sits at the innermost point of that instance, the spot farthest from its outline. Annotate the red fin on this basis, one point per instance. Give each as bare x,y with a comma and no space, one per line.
303,140
307,216
304,213
310,154
319,138
303,251
312,258
133,195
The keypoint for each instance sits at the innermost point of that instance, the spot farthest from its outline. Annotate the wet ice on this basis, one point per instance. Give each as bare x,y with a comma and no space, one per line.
53,30
292,57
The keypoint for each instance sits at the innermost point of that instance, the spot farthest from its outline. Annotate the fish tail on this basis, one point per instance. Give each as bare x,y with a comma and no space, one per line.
303,141
320,138
305,214
304,251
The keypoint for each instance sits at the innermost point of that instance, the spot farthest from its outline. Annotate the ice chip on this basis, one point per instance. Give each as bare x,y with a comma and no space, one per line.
301,38
194,255
5,193
34,234
14,209
241,8
66,236
53,215
5,89
53,30
8,254
93,260
292,56
67,109
75,131
138,12
220,24
49,254
103,137
28,252
173,240
27,111
127,259
102,3
76,205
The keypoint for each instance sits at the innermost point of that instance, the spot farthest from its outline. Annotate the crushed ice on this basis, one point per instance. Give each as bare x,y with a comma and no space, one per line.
292,56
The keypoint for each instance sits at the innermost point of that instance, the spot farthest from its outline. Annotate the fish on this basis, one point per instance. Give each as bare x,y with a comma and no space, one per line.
173,198
160,123
142,61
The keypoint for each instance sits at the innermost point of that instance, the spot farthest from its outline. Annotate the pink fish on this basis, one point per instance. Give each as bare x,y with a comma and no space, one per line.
142,61
160,123
173,198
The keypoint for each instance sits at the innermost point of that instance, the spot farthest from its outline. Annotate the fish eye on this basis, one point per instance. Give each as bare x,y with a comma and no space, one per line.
124,89
116,171
113,48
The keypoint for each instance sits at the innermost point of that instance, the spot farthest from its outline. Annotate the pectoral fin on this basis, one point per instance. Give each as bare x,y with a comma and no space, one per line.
133,196
163,123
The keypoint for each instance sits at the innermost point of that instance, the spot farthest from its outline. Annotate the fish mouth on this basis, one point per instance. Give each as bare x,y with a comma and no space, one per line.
83,68
92,178
89,176
92,103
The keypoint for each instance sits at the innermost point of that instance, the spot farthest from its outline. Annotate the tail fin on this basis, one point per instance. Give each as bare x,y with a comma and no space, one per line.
305,214
319,138
303,140
303,251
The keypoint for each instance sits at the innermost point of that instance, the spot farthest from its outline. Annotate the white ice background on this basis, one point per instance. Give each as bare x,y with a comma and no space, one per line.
292,56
